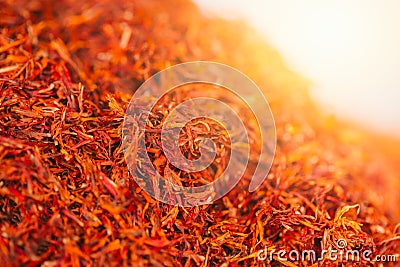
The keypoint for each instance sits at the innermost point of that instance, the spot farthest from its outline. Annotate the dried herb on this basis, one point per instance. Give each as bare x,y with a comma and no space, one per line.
67,69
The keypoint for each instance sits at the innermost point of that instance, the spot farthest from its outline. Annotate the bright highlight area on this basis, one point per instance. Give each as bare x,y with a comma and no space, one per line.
349,49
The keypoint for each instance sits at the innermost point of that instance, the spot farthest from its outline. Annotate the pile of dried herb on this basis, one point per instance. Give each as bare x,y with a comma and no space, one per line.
67,71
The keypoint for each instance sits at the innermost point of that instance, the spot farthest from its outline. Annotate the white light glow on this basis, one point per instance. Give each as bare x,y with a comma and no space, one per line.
350,49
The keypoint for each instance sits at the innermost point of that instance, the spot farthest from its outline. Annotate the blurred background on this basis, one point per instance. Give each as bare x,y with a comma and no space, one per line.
350,50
